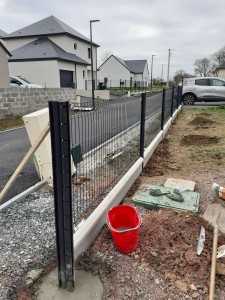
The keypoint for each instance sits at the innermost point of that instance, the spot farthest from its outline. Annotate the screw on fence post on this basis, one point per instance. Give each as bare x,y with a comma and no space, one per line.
171,111
142,126
61,166
163,109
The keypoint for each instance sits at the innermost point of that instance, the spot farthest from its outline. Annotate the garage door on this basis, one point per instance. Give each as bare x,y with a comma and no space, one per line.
66,78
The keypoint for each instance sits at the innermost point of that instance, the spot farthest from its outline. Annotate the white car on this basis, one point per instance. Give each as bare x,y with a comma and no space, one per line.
17,81
203,89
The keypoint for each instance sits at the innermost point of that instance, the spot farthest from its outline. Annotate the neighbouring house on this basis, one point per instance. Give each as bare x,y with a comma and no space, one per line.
220,71
4,74
52,54
2,34
115,71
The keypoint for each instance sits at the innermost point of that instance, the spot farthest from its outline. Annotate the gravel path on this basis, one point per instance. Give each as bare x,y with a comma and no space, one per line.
27,241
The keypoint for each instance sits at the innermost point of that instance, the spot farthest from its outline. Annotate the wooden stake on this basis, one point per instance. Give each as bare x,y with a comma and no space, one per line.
213,264
25,160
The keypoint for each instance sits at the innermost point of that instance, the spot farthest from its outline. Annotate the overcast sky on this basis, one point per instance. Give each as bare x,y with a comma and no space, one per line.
132,29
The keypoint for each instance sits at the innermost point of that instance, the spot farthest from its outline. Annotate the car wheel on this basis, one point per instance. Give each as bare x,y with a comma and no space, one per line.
189,99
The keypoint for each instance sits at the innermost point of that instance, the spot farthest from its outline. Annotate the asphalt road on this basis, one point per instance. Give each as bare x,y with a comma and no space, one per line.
14,144
205,104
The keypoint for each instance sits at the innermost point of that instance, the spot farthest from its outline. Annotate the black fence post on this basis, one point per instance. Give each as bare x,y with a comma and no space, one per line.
142,126
163,109
61,165
171,110
179,95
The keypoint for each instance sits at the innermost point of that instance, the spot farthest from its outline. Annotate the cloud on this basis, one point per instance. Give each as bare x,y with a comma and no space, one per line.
132,29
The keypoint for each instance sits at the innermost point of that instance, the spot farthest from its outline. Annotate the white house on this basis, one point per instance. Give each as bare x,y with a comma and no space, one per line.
220,71
52,54
116,70
4,74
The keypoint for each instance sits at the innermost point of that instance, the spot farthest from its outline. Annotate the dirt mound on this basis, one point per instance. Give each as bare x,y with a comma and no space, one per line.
201,121
200,140
159,161
169,238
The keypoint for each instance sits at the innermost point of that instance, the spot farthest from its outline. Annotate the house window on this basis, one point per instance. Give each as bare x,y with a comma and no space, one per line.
75,46
84,75
89,52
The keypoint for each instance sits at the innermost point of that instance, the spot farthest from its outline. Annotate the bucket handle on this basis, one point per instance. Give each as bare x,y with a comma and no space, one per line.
125,230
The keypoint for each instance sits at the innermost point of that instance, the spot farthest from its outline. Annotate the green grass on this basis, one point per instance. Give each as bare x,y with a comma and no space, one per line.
215,153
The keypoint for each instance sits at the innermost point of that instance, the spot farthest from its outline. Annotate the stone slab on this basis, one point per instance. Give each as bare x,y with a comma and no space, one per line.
142,197
180,184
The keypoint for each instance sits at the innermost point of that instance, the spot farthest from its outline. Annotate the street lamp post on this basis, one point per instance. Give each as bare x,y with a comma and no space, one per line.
92,71
168,69
162,74
152,70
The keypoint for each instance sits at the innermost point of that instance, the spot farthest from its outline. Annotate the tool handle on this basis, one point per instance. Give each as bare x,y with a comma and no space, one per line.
213,263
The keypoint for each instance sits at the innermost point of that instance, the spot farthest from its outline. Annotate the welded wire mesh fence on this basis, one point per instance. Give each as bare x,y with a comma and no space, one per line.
106,142
132,84
108,145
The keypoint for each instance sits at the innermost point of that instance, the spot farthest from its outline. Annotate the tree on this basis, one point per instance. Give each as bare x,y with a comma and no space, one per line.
219,57
179,75
204,67
104,56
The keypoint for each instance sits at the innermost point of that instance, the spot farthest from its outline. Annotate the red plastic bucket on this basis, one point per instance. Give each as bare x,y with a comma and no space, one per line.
124,222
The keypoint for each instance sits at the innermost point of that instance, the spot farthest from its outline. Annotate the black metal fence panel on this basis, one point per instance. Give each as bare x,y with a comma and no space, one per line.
168,99
153,117
107,142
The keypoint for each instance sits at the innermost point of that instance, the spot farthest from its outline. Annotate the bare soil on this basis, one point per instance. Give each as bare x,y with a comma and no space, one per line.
11,123
165,264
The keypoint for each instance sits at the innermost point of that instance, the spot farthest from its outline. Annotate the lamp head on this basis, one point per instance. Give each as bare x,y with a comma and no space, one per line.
92,21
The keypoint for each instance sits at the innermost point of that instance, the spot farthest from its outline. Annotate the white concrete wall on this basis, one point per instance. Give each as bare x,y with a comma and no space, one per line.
67,44
79,74
45,73
101,94
221,73
4,69
138,77
113,70
13,44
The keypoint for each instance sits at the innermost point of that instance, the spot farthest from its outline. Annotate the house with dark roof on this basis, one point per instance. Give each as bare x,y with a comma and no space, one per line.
52,54
4,74
2,34
116,70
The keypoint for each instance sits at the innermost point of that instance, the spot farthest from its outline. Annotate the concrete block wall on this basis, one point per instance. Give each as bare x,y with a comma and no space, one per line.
101,94
18,101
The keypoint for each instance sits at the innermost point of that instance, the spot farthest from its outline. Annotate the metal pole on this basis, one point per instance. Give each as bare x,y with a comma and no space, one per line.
162,74
61,164
171,110
92,71
163,109
152,70
168,69
142,127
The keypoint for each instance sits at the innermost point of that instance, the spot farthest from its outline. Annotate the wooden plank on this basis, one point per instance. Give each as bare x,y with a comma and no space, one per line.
25,160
